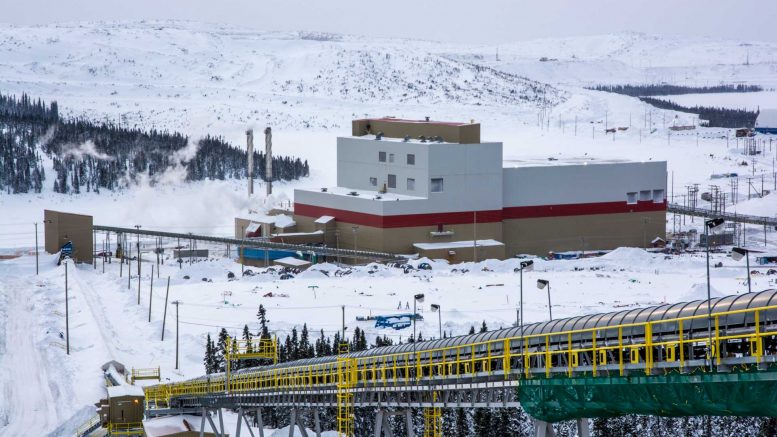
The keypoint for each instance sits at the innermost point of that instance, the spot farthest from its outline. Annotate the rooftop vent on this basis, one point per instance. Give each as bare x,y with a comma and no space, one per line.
378,197
407,138
379,135
323,190
353,193
422,138
427,118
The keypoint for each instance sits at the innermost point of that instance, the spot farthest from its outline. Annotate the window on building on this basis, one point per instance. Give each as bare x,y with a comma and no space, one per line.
645,196
410,184
392,181
631,197
382,156
437,185
410,159
373,181
391,157
658,196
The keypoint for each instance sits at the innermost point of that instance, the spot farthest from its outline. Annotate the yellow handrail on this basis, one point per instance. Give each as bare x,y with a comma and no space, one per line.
470,359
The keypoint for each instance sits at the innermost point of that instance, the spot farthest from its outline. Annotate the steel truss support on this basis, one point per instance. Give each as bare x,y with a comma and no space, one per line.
297,421
383,426
206,416
241,417
545,429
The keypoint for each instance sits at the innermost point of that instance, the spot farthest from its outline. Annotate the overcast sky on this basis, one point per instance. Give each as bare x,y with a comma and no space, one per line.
477,21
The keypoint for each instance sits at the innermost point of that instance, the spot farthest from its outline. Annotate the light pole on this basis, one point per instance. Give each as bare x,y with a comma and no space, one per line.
525,266
710,225
542,283
176,303
67,314
36,248
418,298
436,309
737,254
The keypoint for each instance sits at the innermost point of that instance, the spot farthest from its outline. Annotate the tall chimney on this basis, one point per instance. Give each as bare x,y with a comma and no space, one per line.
250,144
268,158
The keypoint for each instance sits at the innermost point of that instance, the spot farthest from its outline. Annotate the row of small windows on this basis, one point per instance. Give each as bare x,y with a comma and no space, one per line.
436,183
382,158
657,196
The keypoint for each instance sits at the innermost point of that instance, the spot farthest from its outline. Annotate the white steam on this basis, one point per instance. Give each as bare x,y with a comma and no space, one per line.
84,149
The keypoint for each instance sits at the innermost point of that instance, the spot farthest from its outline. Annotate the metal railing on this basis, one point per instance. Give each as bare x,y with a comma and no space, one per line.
729,216
615,350
90,425
261,244
149,373
125,429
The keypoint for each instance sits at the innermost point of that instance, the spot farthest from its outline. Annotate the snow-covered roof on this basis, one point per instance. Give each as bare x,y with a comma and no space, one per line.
164,426
767,118
125,390
291,261
553,162
280,221
297,234
457,244
368,194
324,219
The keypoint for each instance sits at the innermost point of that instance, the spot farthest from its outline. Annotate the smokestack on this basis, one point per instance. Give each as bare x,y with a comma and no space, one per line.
268,158
250,144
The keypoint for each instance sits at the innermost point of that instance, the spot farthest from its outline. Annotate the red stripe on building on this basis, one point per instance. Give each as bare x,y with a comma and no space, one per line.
467,217
522,212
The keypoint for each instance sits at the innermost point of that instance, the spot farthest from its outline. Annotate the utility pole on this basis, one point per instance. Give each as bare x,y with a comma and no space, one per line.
150,293
164,317
176,303
67,315
129,272
36,248
138,235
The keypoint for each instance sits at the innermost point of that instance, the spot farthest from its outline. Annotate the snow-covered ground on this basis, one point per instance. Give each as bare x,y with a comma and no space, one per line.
106,322
219,80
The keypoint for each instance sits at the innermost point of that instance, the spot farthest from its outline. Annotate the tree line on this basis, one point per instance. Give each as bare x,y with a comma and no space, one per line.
663,89
89,156
712,117
466,421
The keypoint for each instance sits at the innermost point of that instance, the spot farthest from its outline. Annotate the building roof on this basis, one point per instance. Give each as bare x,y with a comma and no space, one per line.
466,244
406,121
552,162
324,219
291,261
118,391
369,194
767,118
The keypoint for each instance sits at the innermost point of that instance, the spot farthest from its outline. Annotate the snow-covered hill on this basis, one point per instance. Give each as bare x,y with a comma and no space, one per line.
190,76
635,58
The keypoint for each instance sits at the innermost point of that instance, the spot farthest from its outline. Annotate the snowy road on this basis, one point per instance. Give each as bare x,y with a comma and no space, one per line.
29,394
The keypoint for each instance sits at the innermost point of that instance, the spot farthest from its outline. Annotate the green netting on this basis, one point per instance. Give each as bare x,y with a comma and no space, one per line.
717,394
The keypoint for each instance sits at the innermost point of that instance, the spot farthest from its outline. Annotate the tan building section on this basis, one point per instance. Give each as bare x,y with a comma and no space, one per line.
538,236
462,251
463,133
61,227
396,240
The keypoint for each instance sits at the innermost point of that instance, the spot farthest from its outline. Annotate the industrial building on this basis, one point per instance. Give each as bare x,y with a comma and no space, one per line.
766,123
434,188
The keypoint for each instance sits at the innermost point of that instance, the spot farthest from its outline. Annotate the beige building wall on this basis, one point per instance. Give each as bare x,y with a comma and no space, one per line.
61,227
464,254
465,133
538,236
396,240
